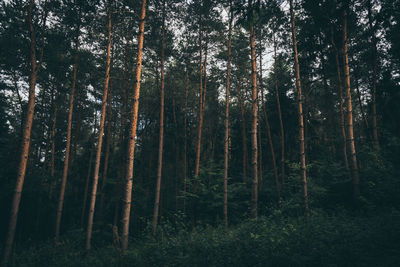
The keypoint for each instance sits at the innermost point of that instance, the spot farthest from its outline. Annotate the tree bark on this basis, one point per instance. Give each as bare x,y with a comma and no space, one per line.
300,115
100,140
161,136
243,130
68,145
282,131
200,119
132,134
226,141
26,139
254,197
350,135
107,152
85,192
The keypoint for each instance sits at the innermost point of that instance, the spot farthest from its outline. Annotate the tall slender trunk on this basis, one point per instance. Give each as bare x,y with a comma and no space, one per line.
185,140
122,152
243,130
107,152
350,135
161,136
226,141
132,134
278,102
100,140
342,119
68,145
300,114
374,77
26,138
254,196
271,145
200,116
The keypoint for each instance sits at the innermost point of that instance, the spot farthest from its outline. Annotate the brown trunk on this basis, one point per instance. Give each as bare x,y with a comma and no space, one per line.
132,134
243,130
254,196
200,123
100,140
342,120
280,117
107,152
226,141
122,152
300,114
26,139
350,135
271,145
68,145
161,136
374,77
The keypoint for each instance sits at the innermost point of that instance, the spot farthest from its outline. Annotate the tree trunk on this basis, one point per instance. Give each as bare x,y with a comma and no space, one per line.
271,145
68,145
132,134
342,120
122,152
300,114
243,130
107,152
161,136
226,141
254,196
282,131
200,122
100,140
26,139
350,135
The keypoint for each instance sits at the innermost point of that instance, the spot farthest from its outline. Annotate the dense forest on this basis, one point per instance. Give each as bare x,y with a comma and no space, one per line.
200,132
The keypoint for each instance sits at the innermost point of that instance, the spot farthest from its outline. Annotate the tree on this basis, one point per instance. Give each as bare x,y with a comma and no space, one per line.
300,113
350,131
132,134
26,139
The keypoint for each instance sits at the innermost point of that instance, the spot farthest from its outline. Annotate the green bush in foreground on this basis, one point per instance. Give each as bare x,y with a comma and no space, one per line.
339,240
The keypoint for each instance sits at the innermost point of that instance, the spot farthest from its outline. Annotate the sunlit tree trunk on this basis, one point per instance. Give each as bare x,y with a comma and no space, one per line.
350,133
161,136
68,145
26,138
300,114
226,140
126,209
100,140
254,196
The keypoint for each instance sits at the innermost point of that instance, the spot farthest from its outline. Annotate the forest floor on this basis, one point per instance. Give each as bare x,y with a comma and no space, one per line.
325,240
